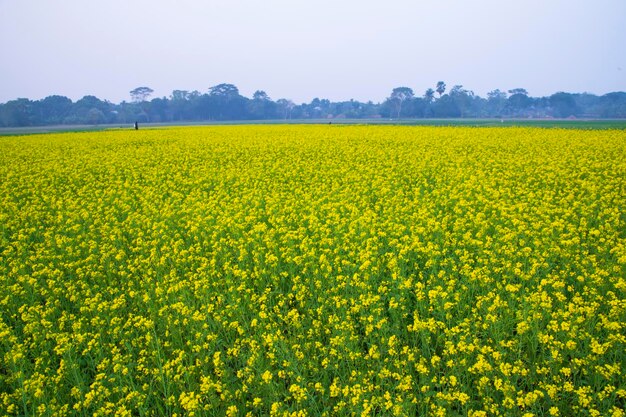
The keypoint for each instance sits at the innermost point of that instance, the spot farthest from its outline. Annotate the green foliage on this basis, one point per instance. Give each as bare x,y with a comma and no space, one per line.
223,102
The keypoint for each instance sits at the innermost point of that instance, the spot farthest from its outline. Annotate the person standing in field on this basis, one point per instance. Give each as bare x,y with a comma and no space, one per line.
136,126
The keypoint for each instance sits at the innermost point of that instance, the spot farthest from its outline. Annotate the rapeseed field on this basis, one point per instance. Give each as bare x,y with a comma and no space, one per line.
313,271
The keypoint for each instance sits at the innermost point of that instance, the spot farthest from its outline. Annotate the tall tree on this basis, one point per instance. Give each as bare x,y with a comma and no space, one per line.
521,91
179,95
226,102
496,95
224,90
496,103
261,106
54,109
260,95
398,96
518,102
17,113
140,94
286,107
441,88
613,105
84,111
159,110
564,105
463,99
446,106
429,95
95,116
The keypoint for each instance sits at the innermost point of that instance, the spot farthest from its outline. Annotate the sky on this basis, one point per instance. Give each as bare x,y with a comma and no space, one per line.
299,50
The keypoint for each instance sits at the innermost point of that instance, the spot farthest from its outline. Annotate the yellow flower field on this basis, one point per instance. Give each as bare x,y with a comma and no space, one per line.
313,270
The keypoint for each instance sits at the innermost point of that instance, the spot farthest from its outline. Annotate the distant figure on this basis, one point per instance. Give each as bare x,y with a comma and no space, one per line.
136,126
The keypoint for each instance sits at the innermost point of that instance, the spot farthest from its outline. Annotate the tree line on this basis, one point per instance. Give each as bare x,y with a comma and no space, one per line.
224,102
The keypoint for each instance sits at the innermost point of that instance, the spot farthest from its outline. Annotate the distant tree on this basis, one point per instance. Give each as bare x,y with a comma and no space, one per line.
398,96
260,95
446,106
370,109
417,107
521,91
82,111
261,106
204,107
351,109
519,102
125,112
588,104
53,109
564,105
179,95
180,105
225,102
17,113
496,95
91,101
441,88
140,94
463,99
95,116
316,109
429,95
286,107
224,90
496,102
159,110
613,105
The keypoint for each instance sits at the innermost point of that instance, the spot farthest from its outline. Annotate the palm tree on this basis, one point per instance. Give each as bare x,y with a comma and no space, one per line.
441,88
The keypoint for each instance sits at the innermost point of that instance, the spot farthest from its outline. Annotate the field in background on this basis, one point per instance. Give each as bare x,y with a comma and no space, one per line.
313,270
543,123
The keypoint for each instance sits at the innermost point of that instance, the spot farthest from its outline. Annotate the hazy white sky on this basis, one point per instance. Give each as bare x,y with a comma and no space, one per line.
306,49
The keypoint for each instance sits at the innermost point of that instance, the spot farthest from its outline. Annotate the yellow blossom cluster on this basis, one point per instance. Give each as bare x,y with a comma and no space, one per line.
313,271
